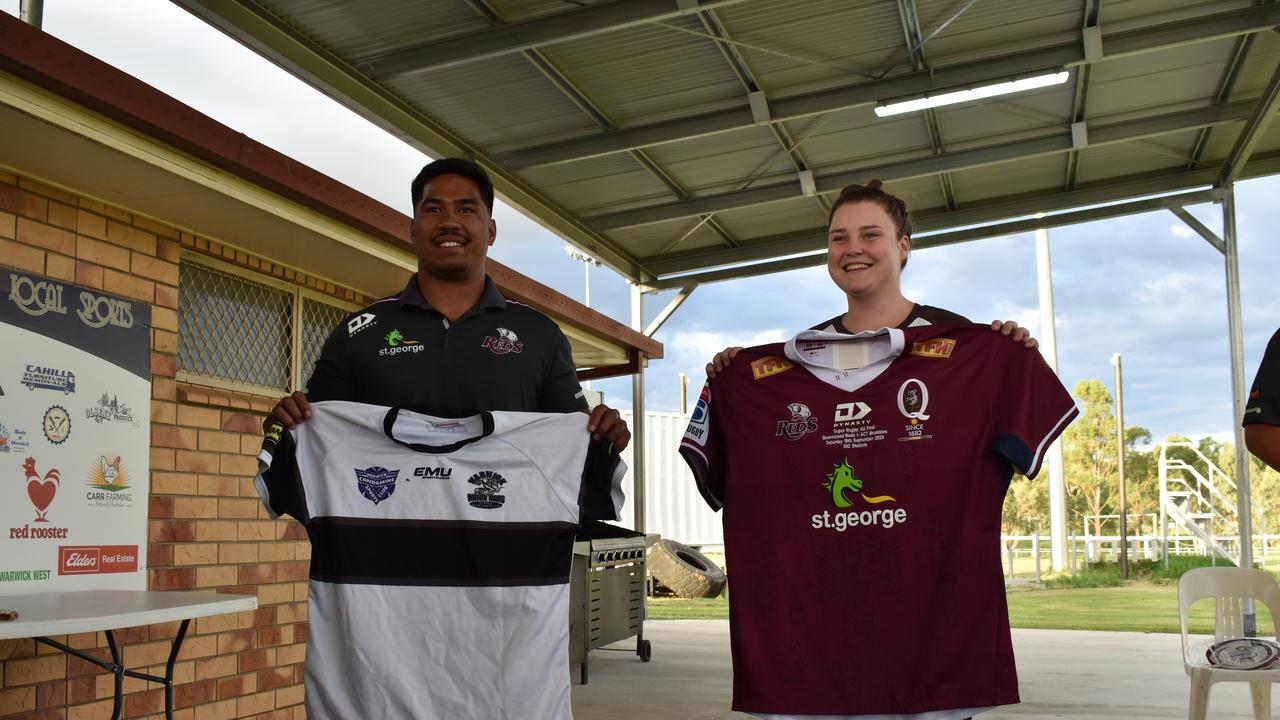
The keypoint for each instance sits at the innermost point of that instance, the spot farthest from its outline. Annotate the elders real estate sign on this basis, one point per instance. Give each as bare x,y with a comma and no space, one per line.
75,407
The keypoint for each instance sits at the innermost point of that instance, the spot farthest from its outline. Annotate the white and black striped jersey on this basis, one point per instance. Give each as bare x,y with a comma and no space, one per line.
440,556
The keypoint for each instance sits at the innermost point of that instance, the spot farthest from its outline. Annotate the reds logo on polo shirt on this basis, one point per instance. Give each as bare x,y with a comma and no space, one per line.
506,342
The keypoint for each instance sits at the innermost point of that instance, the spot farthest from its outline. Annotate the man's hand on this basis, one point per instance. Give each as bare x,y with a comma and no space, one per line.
721,360
1010,329
291,410
605,422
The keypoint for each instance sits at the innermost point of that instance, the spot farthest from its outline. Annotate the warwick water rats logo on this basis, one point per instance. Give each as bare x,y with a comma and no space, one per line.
506,342
376,483
397,343
844,488
109,483
49,378
801,423
488,484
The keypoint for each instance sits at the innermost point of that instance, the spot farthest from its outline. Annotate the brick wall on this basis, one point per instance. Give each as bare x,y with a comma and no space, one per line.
207,529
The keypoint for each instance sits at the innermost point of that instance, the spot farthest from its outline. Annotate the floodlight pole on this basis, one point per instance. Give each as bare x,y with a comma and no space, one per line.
31,12
1053,458
1124,499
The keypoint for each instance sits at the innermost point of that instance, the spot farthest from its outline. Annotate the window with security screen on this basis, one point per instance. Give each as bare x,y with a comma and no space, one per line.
245,331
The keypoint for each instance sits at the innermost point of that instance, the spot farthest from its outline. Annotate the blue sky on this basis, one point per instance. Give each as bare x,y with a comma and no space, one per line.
1143,286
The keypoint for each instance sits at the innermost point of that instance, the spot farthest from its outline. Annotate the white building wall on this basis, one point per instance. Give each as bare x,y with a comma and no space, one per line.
673,507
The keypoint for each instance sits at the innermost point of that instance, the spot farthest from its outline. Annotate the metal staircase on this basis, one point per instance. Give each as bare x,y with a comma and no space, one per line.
1194,500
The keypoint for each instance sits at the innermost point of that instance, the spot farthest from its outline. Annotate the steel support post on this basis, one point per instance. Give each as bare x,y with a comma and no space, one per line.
1053,458
637,418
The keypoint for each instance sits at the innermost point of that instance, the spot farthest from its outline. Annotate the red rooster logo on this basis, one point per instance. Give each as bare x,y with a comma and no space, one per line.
41,489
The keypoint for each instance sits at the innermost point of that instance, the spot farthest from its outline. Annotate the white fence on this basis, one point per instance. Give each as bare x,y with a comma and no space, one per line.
673,506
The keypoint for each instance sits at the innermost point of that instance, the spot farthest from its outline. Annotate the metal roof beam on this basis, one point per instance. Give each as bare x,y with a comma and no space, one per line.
1058,142
1200,228
1230,76
1089,31
270,37
1116,44
939,239
528,34
936,220
1248,138
920,61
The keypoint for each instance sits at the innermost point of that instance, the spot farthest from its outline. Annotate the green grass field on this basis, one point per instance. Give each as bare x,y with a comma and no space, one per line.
1097,600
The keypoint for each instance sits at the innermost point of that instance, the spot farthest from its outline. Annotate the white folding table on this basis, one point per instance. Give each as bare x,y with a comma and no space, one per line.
65,613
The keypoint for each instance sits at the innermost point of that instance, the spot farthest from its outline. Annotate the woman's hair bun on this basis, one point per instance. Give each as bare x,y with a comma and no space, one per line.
873,184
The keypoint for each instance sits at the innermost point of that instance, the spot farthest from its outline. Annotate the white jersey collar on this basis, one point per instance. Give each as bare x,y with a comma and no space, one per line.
813,350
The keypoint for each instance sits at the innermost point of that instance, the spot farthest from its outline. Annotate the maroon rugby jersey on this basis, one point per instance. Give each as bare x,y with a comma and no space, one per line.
862,515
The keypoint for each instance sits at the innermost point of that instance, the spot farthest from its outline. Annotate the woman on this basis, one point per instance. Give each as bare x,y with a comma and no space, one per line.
868,242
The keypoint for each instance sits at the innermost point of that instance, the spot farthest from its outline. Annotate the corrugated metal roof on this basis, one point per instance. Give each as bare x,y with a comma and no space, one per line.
555,97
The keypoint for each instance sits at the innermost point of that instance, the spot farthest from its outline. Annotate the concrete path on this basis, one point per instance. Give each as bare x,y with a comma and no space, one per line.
1063,674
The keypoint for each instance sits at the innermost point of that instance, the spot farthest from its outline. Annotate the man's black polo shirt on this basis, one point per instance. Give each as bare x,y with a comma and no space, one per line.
400,351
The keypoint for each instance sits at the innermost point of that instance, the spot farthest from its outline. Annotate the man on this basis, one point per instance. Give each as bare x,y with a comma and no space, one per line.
1262,409
450,342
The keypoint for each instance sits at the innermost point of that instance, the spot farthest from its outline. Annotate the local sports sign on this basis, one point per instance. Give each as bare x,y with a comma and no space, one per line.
75,409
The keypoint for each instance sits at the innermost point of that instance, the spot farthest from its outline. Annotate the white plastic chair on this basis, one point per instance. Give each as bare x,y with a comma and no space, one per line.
1228,587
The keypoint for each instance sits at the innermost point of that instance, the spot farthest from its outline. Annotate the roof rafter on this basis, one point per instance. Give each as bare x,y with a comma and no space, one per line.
528,34
999,152
1249,136
1116,44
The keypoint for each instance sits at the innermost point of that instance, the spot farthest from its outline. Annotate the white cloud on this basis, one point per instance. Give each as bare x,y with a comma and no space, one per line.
1180,230
702,346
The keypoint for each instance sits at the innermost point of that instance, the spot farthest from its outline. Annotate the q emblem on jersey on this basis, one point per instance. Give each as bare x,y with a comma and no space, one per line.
700,422
913,400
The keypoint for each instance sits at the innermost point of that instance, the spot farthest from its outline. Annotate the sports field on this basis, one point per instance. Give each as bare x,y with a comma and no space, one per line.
1094,600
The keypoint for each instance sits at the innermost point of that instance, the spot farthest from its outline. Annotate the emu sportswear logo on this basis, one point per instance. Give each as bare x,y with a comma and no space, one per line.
506,342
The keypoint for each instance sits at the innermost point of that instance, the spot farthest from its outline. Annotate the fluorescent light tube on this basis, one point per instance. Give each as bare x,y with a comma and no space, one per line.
977,93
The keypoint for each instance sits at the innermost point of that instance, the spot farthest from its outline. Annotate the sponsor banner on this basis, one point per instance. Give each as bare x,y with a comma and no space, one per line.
97,559
74,437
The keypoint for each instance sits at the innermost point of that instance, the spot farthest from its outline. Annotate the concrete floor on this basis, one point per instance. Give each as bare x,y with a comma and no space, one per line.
1063,674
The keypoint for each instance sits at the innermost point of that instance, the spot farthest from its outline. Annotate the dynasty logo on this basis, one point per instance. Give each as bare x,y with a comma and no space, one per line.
801,423
506,342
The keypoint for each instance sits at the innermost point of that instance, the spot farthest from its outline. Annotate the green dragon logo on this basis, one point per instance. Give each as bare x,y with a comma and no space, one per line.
394,338
841,480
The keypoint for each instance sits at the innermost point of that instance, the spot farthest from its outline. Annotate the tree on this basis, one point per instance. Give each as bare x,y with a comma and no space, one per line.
1089,452
1141,475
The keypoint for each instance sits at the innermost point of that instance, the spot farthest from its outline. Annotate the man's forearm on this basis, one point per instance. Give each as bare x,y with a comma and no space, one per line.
1263,440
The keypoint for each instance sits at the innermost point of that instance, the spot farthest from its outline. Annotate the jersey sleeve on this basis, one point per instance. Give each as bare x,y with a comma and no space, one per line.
560,391
278,482
1030,408
702,448
601,495
1263,403
332,379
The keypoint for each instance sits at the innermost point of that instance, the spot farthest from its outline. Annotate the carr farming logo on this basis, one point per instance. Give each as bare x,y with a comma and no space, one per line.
109,483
